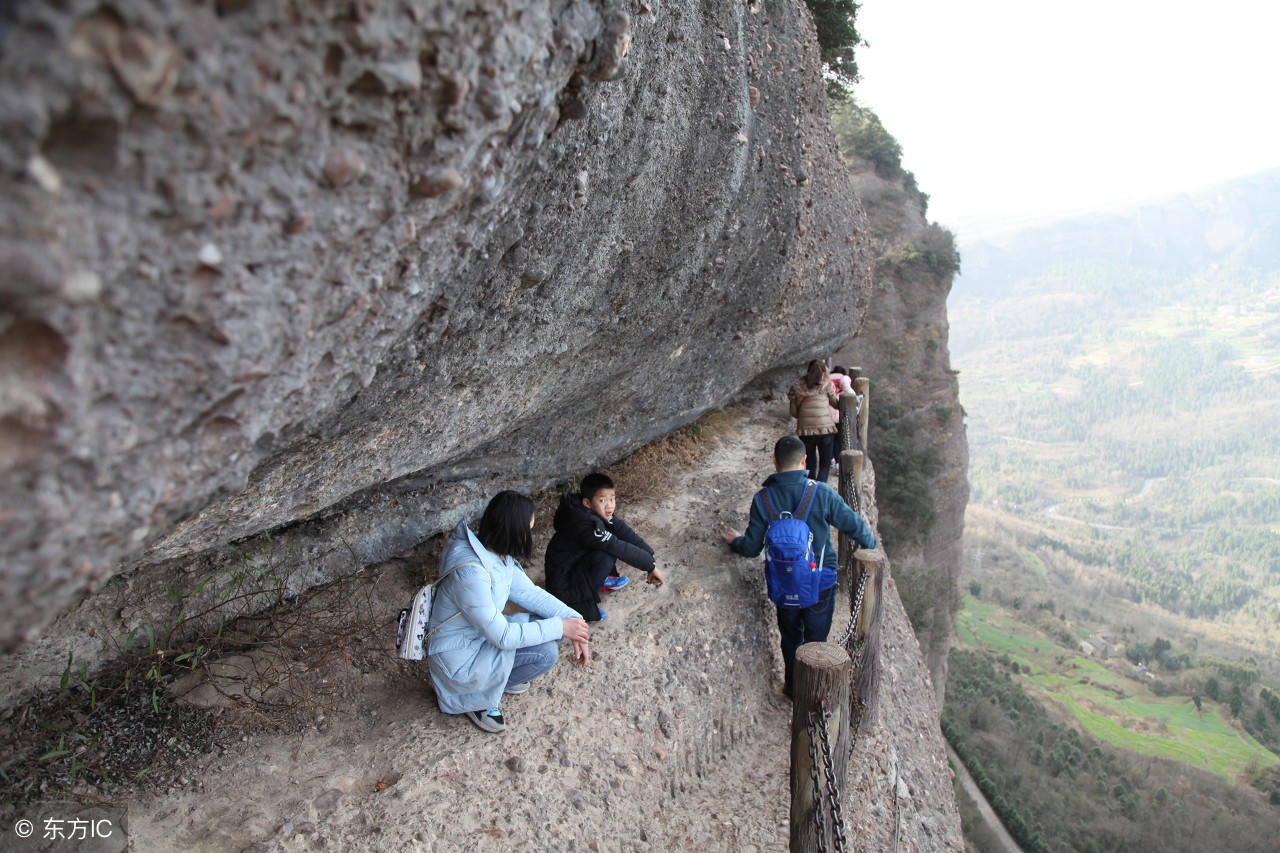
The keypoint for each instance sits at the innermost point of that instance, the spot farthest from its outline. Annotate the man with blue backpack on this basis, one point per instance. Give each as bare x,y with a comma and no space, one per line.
791,521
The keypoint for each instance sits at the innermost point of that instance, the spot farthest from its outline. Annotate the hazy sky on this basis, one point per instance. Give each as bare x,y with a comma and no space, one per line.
1029,106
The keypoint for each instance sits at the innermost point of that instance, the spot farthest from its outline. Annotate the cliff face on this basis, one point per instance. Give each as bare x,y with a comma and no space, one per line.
903,349
318,278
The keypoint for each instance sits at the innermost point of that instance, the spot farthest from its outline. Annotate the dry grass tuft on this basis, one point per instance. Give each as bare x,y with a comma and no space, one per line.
126,728
647,473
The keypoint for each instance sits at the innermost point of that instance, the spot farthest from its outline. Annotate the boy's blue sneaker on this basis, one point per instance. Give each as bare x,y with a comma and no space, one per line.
604,614
614,582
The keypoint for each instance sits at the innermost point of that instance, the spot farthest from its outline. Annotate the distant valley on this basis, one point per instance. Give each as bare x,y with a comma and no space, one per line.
1121,377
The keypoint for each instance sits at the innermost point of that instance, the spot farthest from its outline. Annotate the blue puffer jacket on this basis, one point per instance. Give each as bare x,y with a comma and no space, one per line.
828,510
471,654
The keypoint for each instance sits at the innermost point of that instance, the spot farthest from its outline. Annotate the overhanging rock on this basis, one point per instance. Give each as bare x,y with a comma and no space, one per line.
319,278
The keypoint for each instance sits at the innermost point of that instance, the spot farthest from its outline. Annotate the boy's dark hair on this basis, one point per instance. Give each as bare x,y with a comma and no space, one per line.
593,483
504,527
788,451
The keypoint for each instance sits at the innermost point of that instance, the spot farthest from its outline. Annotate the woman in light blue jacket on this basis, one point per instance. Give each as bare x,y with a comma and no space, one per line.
475,653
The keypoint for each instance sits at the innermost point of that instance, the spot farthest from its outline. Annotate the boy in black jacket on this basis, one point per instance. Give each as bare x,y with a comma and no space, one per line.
588,541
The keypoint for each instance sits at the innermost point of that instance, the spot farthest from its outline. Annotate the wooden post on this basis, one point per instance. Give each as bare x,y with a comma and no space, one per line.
867,562
851,477
866,634
822,677
850,486
847,438
848,422
862,385
854,373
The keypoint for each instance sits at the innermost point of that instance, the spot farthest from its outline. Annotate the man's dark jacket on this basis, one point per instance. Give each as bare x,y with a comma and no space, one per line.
578,533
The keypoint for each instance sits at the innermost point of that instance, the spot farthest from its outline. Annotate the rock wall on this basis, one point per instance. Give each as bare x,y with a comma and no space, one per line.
314,279
903,349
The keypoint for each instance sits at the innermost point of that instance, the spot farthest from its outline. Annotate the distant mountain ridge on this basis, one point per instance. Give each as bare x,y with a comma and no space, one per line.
1235,221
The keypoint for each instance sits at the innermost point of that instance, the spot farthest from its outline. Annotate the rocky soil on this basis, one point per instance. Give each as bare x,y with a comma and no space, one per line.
675,737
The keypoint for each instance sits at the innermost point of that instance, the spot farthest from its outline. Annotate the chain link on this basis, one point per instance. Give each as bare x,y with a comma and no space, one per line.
855,488
855,647
833,788
854,616
829,796
848,435
819,811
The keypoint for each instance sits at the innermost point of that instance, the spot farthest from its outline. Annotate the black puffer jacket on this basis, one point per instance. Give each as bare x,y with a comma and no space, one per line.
578,531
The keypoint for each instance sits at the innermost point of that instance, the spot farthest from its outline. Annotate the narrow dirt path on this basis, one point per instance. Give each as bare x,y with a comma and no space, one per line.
989,817
676,737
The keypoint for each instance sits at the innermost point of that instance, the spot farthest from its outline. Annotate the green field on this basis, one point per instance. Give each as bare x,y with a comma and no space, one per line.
1122,398
1107,703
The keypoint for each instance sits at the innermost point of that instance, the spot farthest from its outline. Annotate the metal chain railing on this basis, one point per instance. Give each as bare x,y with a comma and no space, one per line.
856,613
819,813
826,795
850,439
830,794
833,787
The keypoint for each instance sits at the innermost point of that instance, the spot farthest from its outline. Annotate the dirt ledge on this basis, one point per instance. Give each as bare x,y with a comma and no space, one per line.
675,738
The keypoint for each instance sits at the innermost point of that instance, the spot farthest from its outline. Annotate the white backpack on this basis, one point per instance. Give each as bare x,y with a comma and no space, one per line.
411,632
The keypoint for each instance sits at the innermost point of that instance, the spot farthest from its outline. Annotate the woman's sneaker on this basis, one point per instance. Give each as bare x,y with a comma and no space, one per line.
490,720
614,583
516,689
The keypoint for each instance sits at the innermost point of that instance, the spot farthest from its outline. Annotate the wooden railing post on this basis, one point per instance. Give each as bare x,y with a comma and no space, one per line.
848,429
868,575
866,562
822,679
858,459
851,491
862,385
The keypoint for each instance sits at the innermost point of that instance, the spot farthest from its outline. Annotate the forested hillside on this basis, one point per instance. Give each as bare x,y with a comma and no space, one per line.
1135,393
1121,377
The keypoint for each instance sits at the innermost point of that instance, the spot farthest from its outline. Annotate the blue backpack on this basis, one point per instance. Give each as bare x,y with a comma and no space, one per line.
791,573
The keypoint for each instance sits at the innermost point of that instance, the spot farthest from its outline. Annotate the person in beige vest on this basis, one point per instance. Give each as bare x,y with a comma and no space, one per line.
811,400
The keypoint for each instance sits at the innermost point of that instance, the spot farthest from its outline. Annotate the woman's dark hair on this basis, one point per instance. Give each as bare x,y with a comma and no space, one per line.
504,527
817,373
